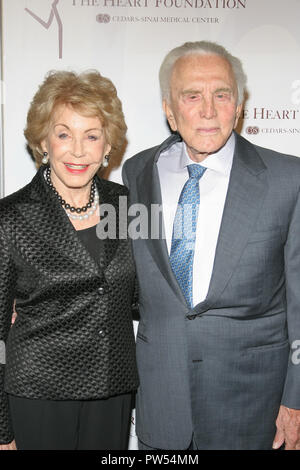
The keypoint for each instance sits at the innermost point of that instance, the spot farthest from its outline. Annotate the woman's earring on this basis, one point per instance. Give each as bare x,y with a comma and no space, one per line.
105,161
45,158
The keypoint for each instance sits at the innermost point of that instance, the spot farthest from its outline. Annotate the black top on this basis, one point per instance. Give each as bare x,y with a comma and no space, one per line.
92,243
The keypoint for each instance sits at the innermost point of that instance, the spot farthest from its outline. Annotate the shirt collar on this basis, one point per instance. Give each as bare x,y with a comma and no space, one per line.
220,161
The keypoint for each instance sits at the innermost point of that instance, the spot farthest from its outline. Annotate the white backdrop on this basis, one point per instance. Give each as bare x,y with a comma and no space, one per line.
126,41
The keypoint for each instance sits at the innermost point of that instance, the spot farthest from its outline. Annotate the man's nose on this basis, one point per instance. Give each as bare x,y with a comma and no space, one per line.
207,109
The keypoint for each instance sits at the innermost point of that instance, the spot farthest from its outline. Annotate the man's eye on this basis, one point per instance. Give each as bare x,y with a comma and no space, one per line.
222,96
191,98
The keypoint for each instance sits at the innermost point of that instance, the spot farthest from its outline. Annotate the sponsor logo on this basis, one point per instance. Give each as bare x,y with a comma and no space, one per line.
271,114
252,130
162,19
284,117
199,4
46,24
103,18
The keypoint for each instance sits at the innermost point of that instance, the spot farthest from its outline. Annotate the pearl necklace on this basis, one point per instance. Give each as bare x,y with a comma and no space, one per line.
92,204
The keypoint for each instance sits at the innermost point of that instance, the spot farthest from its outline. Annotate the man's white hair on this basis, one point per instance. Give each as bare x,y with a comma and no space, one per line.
201,48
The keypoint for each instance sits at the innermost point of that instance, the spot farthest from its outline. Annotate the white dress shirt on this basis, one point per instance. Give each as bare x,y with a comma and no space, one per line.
173,173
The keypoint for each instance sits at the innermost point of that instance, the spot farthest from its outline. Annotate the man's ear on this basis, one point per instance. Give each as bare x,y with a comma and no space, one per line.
169,115
237,114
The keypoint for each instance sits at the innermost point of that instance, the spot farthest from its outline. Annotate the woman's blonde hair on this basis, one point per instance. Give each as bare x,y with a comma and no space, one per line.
87,93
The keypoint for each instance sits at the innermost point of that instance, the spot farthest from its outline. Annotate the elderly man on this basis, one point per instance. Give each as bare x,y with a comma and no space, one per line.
220,286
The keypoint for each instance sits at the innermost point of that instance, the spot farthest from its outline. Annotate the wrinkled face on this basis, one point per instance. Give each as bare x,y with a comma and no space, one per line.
203,103
76,146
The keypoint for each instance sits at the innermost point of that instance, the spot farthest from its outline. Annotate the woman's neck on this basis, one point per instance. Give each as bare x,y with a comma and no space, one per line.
76,197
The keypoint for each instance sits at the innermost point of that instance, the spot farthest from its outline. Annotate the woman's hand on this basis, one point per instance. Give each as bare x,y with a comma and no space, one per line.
14,315
13,318
11,446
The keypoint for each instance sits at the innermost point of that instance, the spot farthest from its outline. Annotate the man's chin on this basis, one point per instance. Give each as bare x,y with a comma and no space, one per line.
202,150
200,153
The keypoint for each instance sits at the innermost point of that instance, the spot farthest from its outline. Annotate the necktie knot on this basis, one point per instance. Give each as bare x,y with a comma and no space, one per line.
196,171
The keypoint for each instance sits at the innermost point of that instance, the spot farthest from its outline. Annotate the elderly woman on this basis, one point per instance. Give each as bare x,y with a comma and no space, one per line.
70,355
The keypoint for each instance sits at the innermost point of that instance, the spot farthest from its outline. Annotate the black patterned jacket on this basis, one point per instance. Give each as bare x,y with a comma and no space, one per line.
73,337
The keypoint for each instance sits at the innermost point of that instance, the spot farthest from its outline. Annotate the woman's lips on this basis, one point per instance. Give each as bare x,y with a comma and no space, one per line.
75,168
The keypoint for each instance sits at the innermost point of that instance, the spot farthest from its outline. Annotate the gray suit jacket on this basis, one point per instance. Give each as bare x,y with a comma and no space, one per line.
222,369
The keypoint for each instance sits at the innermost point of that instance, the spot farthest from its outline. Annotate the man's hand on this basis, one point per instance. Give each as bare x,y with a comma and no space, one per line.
11,446
288,429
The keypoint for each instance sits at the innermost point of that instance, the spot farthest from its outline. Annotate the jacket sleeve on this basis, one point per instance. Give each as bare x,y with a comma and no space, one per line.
291,394
135,300
7,289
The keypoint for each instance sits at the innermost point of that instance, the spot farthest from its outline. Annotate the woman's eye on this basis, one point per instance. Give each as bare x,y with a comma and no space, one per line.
63,135
93,137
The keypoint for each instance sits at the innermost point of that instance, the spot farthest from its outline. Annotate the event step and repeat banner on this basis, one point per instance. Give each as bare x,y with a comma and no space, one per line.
126,40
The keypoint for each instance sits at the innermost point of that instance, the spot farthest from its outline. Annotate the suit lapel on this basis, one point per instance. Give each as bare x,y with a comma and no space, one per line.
246,192
148,186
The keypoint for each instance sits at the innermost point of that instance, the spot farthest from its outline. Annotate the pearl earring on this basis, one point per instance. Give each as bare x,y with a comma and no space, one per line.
45,158
105,161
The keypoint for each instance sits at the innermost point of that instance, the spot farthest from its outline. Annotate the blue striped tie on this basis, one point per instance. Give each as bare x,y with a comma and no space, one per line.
184,232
